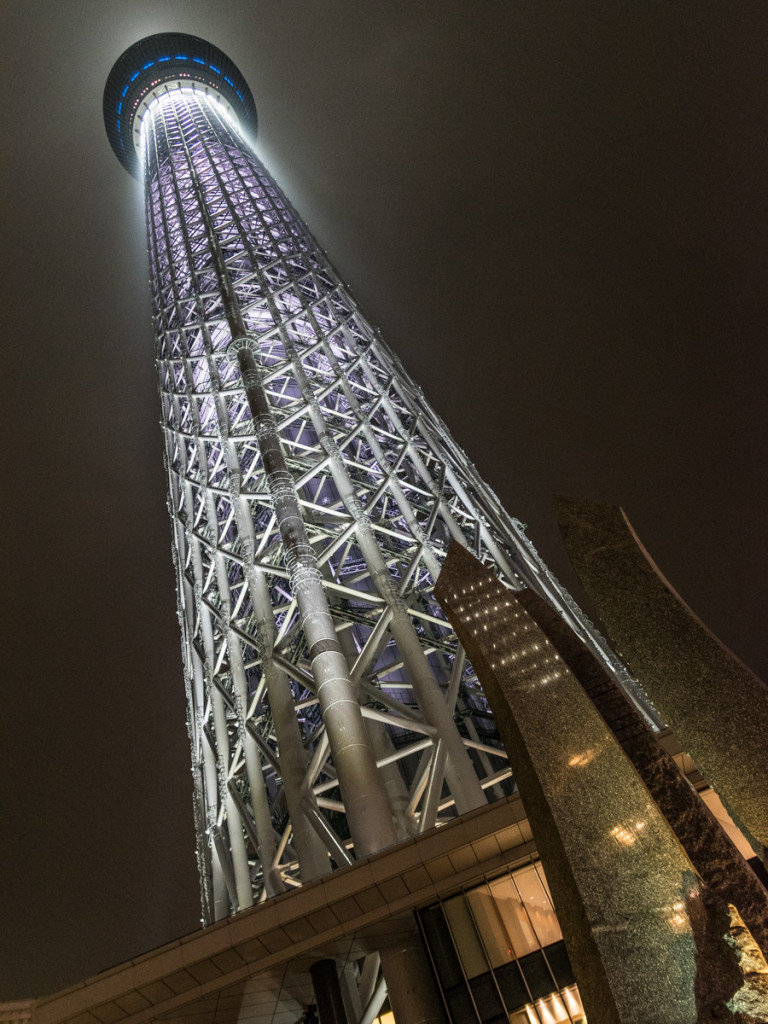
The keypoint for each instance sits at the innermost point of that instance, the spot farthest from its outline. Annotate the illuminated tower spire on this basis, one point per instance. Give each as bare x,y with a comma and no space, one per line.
312,494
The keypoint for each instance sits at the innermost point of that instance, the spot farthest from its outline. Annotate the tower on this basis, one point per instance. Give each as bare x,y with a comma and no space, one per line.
312,494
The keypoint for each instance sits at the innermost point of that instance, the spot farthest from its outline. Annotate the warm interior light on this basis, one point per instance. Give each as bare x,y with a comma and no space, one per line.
573,1001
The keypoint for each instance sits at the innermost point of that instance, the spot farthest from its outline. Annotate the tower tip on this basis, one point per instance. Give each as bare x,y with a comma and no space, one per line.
166,61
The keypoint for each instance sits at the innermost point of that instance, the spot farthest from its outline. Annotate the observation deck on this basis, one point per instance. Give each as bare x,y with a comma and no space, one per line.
166,61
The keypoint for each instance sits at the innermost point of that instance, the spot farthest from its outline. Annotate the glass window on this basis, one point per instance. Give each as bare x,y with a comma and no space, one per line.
499,953
538,905
441,946
488,921
522,1018
552,1010
513,990
537,974
560,964
572,1000
522,938
487,1000
544,882
460,1005
465,936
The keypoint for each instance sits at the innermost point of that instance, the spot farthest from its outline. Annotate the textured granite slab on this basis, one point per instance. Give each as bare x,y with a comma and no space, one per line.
716,707
621,883
711,851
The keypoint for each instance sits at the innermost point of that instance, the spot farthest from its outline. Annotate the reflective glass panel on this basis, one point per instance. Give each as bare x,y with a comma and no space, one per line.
498,944
543,880
465,936
460,1005
487,1001
522,938
537,974
441,946
513,990
538,905
560,964
510,949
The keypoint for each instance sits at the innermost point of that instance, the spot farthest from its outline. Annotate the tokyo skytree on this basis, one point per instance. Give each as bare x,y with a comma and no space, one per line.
313,494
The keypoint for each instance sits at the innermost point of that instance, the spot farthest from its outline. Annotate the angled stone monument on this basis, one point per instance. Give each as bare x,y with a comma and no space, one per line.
716,707
647,940
702,836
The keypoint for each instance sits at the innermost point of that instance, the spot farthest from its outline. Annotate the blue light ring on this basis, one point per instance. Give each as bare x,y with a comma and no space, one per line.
194,58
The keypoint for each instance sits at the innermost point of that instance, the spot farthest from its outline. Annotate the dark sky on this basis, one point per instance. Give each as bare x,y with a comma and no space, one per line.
555,211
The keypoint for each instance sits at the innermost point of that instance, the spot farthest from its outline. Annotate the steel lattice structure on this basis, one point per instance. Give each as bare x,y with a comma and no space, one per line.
313,493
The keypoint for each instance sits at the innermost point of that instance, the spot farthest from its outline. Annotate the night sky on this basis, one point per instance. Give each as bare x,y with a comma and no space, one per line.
556,213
